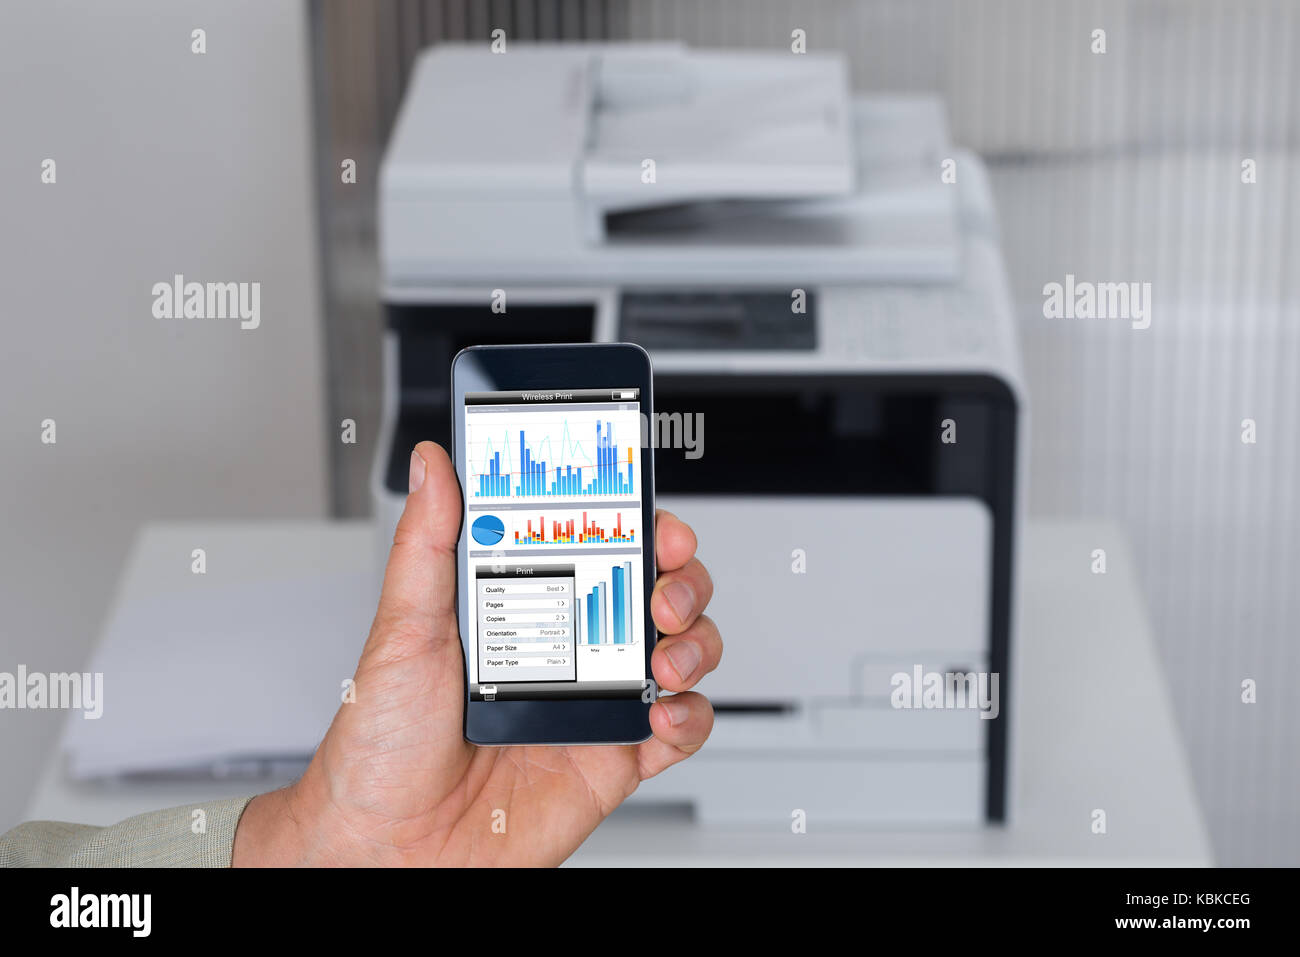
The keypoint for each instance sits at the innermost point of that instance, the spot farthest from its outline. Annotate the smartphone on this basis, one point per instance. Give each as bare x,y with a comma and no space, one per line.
555,560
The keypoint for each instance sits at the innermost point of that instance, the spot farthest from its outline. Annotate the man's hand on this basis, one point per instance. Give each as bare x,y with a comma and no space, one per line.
396,783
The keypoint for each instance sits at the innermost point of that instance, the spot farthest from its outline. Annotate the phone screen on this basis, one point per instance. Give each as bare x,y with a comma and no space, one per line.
553,516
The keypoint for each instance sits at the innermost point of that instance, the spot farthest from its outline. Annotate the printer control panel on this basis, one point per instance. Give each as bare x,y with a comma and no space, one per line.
780,319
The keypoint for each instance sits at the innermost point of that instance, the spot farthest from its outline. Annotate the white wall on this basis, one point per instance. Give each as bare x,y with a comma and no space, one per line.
167,162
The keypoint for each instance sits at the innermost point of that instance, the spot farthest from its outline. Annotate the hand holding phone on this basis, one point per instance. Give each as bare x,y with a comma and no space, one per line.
395,782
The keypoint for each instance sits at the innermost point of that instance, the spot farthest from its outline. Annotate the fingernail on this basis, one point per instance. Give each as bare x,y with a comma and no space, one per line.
417,472
681,598
685,658
677,710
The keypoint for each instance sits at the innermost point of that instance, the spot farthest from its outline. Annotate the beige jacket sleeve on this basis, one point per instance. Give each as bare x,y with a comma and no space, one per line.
176,837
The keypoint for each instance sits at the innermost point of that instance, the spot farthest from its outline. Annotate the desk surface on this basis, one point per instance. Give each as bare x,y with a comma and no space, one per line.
1096,731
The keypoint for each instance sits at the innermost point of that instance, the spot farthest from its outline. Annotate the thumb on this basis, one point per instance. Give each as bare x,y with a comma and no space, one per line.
418,601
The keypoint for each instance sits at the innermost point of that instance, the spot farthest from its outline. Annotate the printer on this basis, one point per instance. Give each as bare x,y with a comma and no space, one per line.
818,279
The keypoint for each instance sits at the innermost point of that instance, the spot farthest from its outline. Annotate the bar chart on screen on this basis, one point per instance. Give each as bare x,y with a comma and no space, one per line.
604,614
581,456
603,527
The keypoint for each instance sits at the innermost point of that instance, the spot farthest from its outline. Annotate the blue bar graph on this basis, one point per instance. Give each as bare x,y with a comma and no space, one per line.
596,615
594,608
602,608
619,599
610,474
628,631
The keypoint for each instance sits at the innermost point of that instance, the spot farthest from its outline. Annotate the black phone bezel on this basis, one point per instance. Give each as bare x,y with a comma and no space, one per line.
543,720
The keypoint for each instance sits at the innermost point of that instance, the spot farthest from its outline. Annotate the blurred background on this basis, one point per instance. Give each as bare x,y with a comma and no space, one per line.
1125,166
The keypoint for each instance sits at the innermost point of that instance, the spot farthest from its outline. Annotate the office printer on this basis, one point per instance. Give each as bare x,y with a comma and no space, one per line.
818,279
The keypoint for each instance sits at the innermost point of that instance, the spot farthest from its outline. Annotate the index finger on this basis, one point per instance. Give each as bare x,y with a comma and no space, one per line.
674,541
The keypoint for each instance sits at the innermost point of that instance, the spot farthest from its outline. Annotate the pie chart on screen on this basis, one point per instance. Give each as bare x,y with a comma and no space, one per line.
487,530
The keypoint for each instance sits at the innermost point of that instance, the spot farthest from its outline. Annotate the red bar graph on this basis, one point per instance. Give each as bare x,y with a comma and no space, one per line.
565,532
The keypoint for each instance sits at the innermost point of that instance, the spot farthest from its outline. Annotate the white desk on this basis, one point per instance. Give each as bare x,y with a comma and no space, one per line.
1095,729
